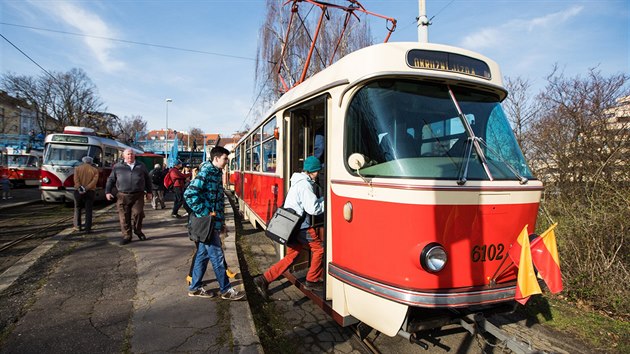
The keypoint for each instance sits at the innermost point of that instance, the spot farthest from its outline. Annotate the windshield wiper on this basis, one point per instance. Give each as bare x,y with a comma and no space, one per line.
473,141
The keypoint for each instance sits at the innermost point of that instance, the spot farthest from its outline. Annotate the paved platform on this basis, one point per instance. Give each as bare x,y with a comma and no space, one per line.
104,297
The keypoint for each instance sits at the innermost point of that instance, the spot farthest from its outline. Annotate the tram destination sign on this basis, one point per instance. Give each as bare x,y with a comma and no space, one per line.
443,61
70,138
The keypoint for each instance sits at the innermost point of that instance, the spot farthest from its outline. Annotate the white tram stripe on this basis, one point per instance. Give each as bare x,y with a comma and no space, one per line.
440,193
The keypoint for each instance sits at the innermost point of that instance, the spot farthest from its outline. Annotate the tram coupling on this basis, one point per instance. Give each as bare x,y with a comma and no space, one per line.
477,324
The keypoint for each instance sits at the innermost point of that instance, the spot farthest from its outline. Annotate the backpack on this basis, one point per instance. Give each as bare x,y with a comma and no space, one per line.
168,181
156,177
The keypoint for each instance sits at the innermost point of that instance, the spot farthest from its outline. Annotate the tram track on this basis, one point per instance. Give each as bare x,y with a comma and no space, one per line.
366,343
25,227
10,244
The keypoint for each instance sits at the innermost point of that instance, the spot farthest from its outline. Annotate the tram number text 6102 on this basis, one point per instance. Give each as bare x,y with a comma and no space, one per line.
487,252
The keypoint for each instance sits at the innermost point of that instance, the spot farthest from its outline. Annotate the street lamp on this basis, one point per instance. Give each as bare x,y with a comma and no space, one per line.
166,134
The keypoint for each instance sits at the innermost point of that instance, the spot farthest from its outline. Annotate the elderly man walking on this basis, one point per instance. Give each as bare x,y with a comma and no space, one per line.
131,179
85,179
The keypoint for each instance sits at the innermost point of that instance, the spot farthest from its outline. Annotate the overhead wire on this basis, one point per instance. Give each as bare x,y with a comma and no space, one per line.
29,58
130,42
124,41
291,39
415,21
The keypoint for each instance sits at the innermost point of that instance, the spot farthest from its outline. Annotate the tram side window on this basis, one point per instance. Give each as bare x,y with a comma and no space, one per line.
248,160
256,146
269,147
96,154
248,155
256,158
111,156
236,162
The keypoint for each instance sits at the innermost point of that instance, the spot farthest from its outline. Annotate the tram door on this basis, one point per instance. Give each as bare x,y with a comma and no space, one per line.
307,137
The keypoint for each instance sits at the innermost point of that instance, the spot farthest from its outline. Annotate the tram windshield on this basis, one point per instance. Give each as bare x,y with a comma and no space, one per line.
414,129
22,161
70,155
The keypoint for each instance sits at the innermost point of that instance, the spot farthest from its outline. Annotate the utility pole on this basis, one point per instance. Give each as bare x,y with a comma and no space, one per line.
166,135
423,22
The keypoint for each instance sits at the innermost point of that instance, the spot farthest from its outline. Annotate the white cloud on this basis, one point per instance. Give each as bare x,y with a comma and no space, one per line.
90,25
512,31
554,18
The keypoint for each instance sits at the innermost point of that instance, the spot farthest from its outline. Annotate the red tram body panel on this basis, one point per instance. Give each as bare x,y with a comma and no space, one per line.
261,193
459,227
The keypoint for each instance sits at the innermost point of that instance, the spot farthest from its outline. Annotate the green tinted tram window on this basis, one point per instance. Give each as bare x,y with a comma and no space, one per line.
411,129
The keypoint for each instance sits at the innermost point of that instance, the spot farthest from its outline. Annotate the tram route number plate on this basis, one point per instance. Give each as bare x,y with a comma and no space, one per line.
491,252
63,170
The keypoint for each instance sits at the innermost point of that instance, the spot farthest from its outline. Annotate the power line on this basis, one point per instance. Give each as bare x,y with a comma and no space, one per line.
442,9
29,58
129,42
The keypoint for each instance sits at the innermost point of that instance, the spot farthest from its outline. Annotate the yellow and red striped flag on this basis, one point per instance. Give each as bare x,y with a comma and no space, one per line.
546,259
526,281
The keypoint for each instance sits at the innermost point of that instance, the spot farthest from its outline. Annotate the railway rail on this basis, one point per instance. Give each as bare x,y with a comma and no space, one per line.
26,226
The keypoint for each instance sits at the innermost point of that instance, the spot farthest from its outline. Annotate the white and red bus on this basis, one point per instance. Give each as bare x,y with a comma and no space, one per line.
23,166
64,151
424,182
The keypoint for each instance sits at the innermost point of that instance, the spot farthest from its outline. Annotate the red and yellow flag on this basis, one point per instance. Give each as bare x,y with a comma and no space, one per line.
526,283
546,259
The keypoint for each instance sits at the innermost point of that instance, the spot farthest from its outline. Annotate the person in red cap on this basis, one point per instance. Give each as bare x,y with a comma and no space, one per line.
303,200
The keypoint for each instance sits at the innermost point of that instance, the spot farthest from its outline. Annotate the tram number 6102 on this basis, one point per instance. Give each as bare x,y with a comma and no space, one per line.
487,252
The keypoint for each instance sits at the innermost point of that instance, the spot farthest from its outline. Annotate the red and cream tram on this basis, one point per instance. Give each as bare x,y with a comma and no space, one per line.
3,161
425,184
64,151
23,167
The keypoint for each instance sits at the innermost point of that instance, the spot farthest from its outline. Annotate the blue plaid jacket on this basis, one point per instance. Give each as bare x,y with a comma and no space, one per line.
205,193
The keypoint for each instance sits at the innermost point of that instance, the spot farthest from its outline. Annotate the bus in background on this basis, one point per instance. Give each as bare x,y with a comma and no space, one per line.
64,151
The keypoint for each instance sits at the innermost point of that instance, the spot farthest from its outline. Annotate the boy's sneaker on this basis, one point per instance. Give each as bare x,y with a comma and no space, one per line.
201,292
232,294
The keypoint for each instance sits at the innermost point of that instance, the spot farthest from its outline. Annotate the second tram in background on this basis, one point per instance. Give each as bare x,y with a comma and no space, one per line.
425,185
23,166
64,151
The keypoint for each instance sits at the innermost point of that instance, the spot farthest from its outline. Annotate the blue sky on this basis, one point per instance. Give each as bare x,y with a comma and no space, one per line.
214,90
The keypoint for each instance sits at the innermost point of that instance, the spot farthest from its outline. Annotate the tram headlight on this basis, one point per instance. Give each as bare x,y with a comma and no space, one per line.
433,257
46,180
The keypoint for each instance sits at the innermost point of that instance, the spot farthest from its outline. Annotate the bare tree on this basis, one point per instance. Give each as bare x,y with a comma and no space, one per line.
132,129
522,109
581,150
36,92
69,98
274,40
574,135
197,138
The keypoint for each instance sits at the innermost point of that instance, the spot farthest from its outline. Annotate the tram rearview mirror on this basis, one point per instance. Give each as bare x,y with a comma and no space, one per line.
356,161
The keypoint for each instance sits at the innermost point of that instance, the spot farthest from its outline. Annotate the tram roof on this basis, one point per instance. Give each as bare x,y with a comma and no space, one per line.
389,59
89,140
